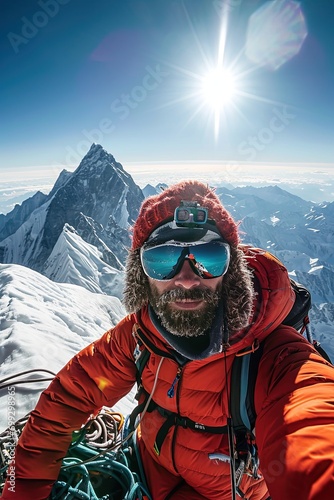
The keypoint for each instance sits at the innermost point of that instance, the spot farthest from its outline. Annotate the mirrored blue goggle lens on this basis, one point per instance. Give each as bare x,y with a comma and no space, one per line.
208,260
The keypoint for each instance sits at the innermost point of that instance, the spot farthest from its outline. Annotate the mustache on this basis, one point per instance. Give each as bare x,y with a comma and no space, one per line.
175,294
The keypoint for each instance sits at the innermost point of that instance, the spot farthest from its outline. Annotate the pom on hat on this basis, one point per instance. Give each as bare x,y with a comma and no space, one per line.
156,209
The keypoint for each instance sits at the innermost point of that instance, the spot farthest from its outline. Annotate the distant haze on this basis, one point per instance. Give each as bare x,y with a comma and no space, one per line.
312,182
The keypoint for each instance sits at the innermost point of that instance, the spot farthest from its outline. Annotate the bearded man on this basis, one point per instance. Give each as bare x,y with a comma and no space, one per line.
195,304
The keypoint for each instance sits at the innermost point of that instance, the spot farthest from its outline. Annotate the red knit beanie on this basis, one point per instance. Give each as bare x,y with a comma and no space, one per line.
156,209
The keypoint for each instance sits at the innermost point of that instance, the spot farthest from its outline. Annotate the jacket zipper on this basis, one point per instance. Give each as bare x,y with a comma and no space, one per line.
171,390
176,383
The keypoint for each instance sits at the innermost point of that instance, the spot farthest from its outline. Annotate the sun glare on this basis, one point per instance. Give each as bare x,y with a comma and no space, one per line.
218,88
216,85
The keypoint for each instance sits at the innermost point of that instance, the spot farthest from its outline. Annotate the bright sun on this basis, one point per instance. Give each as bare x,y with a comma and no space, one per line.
218,88
217,83
217,91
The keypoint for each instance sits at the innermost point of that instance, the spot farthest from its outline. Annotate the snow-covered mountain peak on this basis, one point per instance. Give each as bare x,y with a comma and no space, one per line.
61,180
275,196
96,160
75,261
150,190
99,199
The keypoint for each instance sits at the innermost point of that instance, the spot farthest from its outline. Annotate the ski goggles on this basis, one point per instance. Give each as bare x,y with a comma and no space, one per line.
207,259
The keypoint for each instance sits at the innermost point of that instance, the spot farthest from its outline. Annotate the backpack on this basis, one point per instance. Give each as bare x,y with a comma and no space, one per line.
243,376
245,368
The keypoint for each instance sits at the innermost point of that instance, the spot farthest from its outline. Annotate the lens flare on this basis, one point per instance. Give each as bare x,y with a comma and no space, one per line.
276,32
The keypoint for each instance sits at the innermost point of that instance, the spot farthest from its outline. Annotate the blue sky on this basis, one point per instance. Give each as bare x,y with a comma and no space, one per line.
130,75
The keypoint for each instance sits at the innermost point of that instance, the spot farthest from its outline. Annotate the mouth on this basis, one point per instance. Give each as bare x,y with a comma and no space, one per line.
187,304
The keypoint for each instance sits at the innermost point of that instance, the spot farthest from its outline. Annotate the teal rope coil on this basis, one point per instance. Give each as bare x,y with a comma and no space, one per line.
98,465
88,473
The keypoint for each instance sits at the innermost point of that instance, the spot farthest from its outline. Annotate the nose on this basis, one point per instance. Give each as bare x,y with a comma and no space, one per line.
186,278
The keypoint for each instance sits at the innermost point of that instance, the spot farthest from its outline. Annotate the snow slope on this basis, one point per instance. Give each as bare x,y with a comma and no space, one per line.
42,325
75,261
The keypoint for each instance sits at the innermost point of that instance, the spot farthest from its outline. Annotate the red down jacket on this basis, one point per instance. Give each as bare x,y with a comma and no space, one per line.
294,399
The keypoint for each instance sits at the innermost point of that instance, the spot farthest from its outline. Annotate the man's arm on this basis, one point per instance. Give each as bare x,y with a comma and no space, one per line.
99,375
295,424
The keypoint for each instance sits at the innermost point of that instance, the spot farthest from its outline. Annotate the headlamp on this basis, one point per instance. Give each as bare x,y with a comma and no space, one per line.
190,214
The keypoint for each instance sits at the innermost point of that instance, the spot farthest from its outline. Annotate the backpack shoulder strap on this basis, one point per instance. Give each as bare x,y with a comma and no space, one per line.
243,378
298,316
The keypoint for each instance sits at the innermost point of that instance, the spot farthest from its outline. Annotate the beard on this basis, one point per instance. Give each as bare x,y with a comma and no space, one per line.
185,323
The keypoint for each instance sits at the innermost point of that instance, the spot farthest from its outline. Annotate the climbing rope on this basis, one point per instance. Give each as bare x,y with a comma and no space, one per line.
108,476
11,380
102,463
86,474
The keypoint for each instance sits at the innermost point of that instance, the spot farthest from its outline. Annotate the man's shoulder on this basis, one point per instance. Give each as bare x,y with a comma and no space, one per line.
127,322
285,336
123,329
285,348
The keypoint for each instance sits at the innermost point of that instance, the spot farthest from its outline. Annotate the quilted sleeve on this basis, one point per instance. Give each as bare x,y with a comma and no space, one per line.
99,375
294,398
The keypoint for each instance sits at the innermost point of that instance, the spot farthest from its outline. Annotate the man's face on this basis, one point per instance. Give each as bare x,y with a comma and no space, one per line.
186,304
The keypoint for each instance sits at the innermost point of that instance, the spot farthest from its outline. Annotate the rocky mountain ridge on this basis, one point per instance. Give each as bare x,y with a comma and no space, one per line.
99,200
